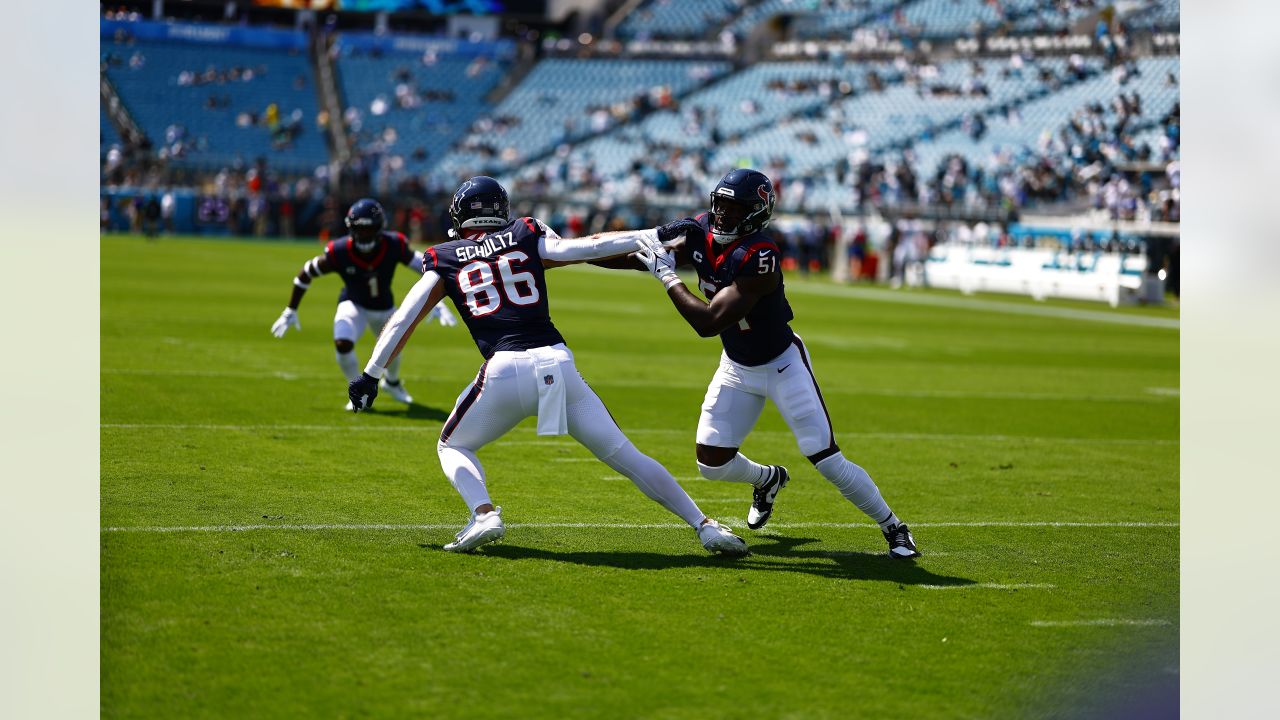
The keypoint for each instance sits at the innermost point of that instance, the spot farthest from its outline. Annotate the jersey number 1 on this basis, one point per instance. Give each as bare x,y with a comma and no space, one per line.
478,282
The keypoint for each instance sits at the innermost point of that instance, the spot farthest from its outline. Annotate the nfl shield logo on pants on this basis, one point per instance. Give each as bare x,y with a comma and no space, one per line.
548,379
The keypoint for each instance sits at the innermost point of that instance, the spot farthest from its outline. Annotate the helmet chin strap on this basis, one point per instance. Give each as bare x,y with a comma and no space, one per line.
723,238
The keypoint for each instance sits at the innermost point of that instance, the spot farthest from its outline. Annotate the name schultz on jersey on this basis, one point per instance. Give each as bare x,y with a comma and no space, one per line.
490,245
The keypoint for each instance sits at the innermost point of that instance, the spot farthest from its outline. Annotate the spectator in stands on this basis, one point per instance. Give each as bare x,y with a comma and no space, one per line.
151,217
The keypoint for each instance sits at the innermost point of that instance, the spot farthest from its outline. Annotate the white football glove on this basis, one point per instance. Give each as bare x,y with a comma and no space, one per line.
288,319
446,317
659,260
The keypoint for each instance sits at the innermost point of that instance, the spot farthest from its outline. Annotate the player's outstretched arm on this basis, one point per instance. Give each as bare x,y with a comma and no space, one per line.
313,268
614,250
729,306
422,298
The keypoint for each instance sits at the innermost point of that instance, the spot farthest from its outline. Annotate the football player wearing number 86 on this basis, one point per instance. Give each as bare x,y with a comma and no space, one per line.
737,266
366,261
494,272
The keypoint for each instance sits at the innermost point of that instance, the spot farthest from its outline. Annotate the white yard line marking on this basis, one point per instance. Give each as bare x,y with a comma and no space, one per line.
604,526
993,586
991,306
1154,395
432,428
1099,622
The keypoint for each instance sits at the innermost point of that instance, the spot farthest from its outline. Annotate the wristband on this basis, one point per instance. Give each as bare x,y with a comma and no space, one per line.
670,280
374,371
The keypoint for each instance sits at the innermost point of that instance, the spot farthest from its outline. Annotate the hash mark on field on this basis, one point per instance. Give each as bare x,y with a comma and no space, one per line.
993,586
610,526
1099,622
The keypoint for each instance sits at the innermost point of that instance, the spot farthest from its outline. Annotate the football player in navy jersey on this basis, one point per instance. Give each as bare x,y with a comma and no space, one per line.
494,272
366,261
738,271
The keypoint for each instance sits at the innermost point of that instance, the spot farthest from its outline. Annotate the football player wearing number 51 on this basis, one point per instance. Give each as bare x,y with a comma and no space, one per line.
738,272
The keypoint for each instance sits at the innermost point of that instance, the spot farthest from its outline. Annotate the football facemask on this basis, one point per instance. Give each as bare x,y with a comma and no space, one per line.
728,216
365,239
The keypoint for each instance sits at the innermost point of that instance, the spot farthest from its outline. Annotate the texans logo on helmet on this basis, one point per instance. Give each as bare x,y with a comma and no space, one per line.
457,197
765,195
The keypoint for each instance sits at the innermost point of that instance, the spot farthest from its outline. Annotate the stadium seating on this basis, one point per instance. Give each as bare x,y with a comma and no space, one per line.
440,101
763,11
840,18
553,103
677,18
107,135
721,107
807,131
1020,135
1155,15
950,18
170,111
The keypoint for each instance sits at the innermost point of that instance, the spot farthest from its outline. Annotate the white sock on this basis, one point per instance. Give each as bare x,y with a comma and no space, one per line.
462,467
350,366
392,375
739,469
856,485
655,482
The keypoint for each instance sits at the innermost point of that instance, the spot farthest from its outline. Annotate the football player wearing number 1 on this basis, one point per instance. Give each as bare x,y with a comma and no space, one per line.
493,271
366,261
737,266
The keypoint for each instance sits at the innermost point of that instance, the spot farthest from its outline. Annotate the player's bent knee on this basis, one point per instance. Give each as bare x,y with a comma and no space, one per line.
821,455
712,456
344,346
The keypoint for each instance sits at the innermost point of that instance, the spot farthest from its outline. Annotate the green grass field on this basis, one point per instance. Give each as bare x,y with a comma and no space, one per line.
265,554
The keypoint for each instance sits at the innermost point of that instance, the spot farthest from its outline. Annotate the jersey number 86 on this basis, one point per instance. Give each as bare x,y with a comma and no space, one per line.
478,282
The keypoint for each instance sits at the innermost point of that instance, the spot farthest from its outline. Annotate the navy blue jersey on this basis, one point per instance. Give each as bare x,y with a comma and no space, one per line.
498,284
764,333
367,278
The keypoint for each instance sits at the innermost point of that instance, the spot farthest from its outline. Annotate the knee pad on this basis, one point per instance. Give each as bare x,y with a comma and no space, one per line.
344,346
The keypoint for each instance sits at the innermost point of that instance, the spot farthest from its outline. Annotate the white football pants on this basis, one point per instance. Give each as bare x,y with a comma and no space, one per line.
350,321
737,395
506,391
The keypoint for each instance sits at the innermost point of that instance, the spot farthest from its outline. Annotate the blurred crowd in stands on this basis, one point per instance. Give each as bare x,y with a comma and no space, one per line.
1102,157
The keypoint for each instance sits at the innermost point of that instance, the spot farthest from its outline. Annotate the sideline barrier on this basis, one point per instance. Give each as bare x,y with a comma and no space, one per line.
1092,275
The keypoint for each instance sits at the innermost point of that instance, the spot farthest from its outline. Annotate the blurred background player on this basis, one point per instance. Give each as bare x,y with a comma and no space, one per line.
366,261
738,271
494,271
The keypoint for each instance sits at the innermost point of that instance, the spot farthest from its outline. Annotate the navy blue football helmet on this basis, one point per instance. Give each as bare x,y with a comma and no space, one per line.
481,203
365,221
741,204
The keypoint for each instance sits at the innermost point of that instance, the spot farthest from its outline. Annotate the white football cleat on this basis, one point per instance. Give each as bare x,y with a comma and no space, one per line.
350,407
719,539
397,391
483,529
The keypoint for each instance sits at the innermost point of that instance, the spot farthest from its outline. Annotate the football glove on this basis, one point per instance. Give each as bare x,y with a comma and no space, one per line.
446,317
362,392
659,261
288,319
673,231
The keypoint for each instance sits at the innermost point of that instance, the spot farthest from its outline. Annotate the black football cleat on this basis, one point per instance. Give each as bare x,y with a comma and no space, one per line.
901,545
764,497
